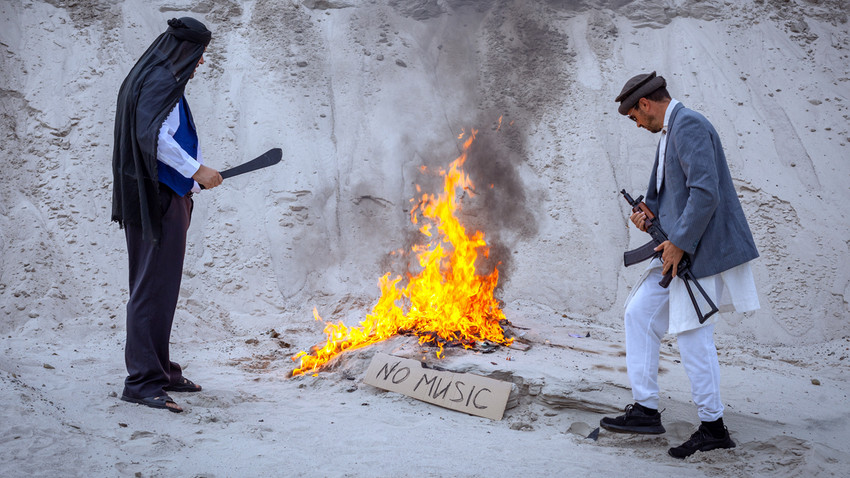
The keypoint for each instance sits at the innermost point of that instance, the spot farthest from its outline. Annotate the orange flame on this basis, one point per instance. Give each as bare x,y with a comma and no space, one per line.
446,302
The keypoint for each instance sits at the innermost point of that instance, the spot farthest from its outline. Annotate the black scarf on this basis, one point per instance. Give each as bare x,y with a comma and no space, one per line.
147,96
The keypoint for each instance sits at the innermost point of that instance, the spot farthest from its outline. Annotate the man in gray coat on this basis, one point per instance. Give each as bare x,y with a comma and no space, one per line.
691,193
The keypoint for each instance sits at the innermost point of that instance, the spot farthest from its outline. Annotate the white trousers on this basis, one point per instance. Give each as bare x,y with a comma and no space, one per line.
646,321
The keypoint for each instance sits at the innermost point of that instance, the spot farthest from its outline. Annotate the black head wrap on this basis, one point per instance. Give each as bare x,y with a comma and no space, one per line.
189,29
147,95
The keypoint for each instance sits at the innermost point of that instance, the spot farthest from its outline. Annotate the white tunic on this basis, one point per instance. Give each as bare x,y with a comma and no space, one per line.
733,290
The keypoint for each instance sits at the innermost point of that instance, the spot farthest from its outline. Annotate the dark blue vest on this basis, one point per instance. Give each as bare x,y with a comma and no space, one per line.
187,138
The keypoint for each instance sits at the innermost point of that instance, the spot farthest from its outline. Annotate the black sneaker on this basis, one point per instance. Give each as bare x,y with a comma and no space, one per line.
702,440
635,420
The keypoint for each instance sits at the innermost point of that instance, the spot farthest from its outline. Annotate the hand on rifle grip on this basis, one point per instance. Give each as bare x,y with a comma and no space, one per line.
665,281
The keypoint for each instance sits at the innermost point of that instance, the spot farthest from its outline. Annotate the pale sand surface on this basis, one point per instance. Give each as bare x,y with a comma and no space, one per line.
360,94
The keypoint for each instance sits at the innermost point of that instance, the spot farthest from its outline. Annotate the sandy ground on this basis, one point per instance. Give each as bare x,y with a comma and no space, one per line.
360,95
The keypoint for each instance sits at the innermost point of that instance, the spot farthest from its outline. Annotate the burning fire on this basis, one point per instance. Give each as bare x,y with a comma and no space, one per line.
445,303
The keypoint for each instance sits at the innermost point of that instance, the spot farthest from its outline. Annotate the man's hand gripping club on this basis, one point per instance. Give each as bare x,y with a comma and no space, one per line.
207,177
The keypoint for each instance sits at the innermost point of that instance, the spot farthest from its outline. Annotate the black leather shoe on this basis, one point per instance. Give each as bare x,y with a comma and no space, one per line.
701,440
635,420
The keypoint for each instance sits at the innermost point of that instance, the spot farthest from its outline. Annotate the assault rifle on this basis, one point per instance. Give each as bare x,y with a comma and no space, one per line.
646,251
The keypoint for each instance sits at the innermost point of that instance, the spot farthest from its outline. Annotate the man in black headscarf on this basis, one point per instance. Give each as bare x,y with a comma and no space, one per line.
156,165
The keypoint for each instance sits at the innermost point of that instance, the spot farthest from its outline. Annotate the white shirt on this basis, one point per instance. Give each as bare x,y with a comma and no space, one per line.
662,144
170,153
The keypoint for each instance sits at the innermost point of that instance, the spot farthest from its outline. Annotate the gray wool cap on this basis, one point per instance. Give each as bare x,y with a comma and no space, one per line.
636,88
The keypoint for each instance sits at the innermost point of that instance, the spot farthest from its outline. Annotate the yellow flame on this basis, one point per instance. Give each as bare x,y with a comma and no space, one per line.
446,302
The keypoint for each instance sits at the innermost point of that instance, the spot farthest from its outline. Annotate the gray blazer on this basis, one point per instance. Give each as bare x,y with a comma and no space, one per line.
697,205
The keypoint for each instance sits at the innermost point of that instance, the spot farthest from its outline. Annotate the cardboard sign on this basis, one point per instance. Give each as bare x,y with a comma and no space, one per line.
464,392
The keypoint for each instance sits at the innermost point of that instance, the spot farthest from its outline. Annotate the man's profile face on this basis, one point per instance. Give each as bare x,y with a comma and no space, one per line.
643,117
200,62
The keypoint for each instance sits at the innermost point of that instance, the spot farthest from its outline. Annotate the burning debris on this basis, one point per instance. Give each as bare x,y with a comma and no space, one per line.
446,303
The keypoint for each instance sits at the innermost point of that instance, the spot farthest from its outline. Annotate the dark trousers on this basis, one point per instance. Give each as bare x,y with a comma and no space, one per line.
155,273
